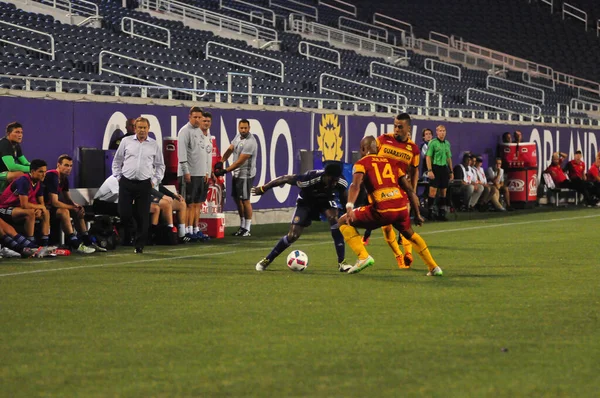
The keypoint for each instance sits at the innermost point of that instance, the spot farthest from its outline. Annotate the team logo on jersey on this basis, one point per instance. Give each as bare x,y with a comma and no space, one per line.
330,137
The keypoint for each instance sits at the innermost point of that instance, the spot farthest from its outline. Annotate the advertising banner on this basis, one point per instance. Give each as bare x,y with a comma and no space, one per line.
53,127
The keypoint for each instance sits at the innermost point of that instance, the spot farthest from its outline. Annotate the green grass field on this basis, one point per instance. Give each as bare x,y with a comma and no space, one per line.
516,314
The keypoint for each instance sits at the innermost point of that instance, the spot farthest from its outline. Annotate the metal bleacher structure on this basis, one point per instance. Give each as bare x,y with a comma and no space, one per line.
327,54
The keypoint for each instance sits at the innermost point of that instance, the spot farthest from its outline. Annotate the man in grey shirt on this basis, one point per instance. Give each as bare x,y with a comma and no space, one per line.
194,151
244,149
139,166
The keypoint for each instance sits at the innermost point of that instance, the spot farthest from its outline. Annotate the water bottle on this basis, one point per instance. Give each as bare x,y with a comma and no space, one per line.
63,252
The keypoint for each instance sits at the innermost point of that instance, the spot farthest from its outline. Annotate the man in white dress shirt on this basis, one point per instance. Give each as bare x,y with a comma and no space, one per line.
139,166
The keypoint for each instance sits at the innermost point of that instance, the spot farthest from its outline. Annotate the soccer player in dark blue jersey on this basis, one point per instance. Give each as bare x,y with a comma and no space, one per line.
318,189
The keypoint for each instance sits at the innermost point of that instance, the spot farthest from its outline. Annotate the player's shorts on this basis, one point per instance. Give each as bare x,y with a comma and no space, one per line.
241,188
370,218
442,177
6,214
305,214
154,199
194,191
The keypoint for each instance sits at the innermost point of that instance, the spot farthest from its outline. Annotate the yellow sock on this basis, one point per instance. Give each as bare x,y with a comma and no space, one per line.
423,251
390,237
354,240
406,245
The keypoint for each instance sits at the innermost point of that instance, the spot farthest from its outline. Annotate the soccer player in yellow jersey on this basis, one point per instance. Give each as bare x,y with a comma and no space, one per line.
398,146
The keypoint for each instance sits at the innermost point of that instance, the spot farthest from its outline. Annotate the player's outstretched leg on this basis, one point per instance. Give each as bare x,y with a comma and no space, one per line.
390,237
423,250
285,242
354,240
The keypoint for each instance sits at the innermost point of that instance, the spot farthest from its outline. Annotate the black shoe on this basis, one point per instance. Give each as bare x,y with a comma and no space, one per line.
241,232
139,250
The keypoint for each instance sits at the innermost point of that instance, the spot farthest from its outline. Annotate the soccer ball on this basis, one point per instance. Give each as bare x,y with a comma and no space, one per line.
297,261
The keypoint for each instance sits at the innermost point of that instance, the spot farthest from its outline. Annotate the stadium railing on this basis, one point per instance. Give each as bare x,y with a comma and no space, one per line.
340,6
212,53
429,65
304,49
195,79
490,83
129,29
403,28
186,11
295,7
534,114
50,52
370,30
257,12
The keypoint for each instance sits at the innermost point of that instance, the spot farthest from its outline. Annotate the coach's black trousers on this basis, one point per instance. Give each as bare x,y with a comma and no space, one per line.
134,201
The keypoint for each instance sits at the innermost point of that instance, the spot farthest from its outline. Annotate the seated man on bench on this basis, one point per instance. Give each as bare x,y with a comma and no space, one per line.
62,207
23,199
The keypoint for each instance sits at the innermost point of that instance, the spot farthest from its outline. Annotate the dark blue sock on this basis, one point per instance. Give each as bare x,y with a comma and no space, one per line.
24,242
279,248
45,239
85,238
9,242
338,240
72,241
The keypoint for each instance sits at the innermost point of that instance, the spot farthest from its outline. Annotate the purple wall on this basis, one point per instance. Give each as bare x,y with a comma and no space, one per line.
54,127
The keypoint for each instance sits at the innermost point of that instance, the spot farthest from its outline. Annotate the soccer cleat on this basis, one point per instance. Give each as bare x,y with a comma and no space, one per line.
263,264
437,271
239,232
83,249
361,265
408,259
400,261
201,237
246,234
28,252
8,253
98,248
139,250
365,241
187,238
343,266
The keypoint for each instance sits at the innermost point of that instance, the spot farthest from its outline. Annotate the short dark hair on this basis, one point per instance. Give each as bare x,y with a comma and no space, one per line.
333,169
424,130
466,155
195,109
244,121
578,152
207,114
404,116
64,157
37,163
506,137
11,126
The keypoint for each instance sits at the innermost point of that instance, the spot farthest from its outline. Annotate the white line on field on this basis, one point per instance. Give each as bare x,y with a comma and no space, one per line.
267,248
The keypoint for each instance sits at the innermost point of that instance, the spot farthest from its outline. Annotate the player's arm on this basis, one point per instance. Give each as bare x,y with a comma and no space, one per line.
414,177
24,203
240,161
277,182
354,190
23,160
11,165
55,202
227,153
412,197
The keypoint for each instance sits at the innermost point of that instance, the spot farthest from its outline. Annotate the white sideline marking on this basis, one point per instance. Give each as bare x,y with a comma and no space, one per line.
266,248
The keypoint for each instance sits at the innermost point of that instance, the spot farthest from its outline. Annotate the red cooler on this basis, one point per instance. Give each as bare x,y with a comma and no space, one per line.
520,166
